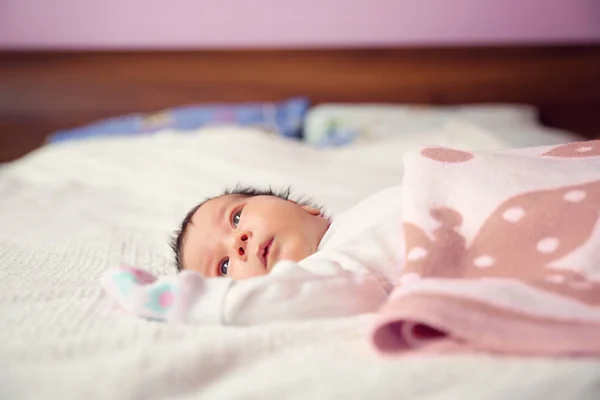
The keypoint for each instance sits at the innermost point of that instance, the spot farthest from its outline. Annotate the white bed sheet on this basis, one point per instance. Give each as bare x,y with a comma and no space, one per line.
69,211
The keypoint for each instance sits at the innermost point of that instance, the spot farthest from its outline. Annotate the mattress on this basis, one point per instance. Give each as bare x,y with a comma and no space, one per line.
69,211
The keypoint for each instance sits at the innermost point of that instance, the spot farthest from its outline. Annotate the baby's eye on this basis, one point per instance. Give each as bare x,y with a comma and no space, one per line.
235,219
223,267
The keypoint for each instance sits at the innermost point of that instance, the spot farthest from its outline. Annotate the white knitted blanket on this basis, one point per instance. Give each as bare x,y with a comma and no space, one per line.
69,211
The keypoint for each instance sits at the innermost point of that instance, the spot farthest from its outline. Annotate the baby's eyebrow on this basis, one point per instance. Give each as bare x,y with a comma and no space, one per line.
220,216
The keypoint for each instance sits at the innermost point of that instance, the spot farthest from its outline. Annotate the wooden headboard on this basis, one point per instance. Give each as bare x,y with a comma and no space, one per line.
44,91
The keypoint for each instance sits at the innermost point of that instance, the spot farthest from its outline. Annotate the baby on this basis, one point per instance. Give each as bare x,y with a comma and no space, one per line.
245,232
303,265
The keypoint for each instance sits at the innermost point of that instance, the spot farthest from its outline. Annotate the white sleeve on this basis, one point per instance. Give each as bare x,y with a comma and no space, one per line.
289,292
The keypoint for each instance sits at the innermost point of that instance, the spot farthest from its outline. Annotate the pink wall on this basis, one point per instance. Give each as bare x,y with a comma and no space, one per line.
292,23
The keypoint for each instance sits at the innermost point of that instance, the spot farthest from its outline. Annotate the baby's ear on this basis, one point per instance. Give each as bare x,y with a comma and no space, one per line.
311,210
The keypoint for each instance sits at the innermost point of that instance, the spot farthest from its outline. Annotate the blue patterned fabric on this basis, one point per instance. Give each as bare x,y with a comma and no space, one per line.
284,118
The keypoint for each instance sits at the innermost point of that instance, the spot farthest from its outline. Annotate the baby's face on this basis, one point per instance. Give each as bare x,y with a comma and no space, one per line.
241,237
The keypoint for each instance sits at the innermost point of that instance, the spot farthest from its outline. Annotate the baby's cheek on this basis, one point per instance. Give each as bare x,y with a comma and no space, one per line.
295,250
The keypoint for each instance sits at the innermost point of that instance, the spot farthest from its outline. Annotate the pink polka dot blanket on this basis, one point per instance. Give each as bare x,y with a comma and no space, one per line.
502,253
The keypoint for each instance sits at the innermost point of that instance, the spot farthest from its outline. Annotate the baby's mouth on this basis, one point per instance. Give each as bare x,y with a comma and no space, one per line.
265,250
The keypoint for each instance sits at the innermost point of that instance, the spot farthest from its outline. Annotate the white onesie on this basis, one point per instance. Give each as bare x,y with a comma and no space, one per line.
356,266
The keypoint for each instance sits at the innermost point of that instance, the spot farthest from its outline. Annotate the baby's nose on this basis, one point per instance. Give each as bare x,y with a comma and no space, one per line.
240,242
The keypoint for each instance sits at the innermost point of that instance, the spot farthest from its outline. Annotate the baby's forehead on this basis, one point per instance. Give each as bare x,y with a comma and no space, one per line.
212,207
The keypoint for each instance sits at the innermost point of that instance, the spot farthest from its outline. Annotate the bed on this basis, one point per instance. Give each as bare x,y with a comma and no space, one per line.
70,210
44,91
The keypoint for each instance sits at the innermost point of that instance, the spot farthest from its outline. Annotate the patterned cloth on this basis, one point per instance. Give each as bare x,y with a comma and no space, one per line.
284,118
503,253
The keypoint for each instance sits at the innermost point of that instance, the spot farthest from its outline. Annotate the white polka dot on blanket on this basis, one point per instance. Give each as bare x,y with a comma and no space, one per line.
484,262
547,245
416,253
513,214
574,196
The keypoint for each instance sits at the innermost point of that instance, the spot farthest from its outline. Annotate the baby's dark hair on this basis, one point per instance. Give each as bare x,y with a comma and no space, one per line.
239,190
